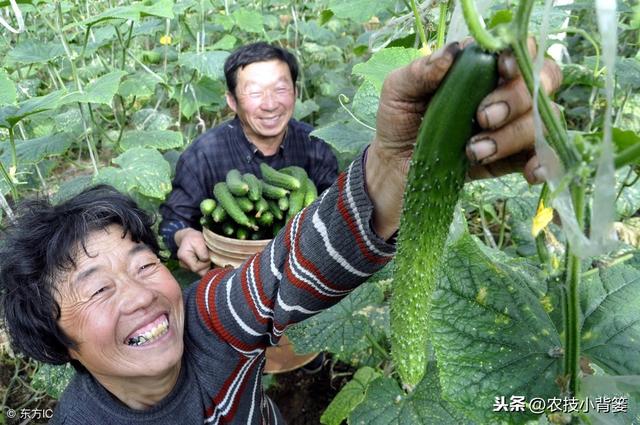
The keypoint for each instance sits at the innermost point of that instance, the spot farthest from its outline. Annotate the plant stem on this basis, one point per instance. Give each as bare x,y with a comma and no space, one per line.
377,346
12,144
419,26
9,180
572,352
475,23
503,224
628,156
541,247
442,25
125,47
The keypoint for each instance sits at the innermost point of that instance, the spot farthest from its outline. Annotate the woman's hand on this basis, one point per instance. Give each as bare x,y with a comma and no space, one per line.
505,145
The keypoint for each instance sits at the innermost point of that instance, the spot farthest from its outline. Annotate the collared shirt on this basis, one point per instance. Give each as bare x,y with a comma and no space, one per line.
225,147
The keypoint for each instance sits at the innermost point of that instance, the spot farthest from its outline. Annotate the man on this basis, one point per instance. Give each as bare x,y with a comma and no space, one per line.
82,281
261,83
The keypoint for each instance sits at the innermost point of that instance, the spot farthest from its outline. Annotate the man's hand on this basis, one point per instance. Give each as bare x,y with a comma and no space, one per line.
505,145
192,251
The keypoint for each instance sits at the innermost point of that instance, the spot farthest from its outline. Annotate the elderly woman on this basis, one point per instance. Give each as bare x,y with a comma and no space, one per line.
83,283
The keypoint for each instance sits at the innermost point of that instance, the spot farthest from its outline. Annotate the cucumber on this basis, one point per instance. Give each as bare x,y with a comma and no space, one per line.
236,185
261,206
275,210
435,179
283,203
256,236
311,194
244,203
255,188
266,219
273,192
207,206
219,214
296,199
228,229
205,221
276,178
242,233
228,202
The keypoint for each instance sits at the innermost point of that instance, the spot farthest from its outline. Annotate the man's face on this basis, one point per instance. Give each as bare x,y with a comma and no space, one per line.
123,308
264,102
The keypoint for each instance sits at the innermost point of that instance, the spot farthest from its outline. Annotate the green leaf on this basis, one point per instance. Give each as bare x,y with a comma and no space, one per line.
210,64
52,379
629,200
101,90
159,139
10,115
347,139
159,8
383,62
491,334
34,51
349,396
35,150
343,329
365,103
8,93
624,139
387,404
503,16
71,188
150,119
628,73
140,170
611,322
602,385
304,109
227,42
248,20
140,84
205,93
358,10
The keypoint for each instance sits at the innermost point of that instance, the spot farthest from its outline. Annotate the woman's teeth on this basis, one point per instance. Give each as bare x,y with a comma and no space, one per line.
150,335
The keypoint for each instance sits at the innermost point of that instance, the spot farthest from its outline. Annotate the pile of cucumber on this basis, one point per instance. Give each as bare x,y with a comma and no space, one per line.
248,208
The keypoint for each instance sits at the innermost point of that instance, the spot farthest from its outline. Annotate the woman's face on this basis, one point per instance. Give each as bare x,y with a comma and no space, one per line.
123,308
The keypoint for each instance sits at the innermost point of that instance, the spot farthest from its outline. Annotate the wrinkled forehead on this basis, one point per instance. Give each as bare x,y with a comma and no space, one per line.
101,247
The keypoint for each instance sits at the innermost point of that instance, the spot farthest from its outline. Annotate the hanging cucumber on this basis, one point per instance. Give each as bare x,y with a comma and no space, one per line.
435,179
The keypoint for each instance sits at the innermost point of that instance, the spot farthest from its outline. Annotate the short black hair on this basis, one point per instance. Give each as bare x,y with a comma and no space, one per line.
40,246
256,52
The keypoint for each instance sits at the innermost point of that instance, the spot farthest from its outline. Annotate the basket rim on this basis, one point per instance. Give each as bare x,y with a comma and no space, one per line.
254,243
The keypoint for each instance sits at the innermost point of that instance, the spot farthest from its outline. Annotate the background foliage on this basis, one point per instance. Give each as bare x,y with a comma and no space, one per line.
113,91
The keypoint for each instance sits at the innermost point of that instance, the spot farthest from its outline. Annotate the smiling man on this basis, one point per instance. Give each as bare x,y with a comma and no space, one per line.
261,82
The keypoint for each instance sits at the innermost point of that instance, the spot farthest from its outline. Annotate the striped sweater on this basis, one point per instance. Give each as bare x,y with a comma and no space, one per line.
232,315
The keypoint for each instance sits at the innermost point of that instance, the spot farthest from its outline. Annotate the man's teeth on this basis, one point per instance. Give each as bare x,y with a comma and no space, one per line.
150,335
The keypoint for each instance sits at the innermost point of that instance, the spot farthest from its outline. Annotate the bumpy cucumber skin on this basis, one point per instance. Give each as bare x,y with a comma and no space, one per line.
311,194
435,179
236,185
225,198
273,192
276,178
296,199
255,188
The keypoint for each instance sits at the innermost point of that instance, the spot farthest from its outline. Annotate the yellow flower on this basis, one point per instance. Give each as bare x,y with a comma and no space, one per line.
425,50
543,216
165,40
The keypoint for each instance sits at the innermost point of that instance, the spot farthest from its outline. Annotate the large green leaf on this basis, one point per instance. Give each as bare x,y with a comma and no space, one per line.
10,115
159,139
248,20
602,387
611,319
8,93
140,170
53,379
160,8
140,84
101,90
490,331
365,103
210,64
383,62
205,93
349,396
387,404
32,51
35,150
629,200
344,329
346,138
358,10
